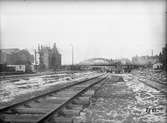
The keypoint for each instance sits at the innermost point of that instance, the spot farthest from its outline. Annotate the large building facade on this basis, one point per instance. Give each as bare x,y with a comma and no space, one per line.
16,60
15,57
145,60
49,57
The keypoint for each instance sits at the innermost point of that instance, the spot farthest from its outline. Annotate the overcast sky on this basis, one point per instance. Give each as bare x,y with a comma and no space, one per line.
95,29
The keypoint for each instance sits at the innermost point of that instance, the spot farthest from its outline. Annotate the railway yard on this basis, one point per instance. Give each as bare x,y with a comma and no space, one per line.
85,97
79,61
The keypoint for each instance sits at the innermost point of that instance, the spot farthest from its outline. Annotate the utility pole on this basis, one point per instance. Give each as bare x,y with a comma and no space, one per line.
72,55
35,57
35,60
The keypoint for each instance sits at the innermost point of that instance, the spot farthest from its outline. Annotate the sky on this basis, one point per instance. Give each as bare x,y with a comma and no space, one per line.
94,29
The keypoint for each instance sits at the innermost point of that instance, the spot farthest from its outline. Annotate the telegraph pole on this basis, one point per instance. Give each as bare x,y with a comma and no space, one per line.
72,55
35,60
35,57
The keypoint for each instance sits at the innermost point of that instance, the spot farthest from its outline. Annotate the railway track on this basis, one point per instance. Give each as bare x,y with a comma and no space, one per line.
150,79
158,85
154,84
20,76
59,106
5,77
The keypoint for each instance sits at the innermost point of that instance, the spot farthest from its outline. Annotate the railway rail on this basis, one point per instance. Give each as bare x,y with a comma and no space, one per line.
150,79
158,85
58,106
5,77
154,84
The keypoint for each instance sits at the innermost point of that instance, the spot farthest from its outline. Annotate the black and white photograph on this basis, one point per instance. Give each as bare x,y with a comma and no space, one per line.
83,61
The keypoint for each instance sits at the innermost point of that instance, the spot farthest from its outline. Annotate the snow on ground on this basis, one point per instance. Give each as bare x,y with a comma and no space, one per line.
128,101
11,88
149,102
154,75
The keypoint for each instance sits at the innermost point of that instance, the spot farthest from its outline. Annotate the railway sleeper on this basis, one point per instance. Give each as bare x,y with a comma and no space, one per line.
47,102
27,105
22,110
69,91
37,101
45,105
73,106
11,111
69,112
81,100
89,93
51,95
96,86
78,88
63,94
61,119
56,100
19,118
81,86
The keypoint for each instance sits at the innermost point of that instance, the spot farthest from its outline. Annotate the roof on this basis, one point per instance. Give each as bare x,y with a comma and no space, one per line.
95,61
9,51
